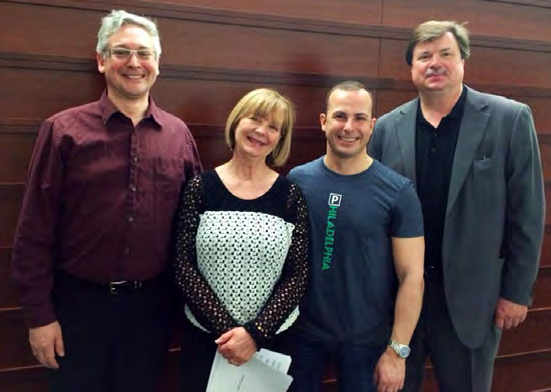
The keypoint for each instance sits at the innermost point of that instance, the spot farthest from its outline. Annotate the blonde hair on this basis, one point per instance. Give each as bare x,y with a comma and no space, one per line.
263,103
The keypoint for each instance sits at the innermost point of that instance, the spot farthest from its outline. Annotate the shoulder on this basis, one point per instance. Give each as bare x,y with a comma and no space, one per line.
388,178
397,112
492,101
77,113
300,172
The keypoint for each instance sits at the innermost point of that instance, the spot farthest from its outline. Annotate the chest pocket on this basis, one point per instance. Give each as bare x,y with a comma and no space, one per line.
169,174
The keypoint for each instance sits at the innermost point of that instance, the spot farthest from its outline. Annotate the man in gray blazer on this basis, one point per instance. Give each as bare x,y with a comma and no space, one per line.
474,160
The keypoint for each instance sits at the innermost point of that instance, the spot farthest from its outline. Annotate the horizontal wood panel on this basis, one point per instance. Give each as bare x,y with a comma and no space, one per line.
24,380
14,341
15,150
545,153
541,110
8,295
349,11
532,335
269,49
10,204
542,290
545,258
485,67
196,43
483,17
518,373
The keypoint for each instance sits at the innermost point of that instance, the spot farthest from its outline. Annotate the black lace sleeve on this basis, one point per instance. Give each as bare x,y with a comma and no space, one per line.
292,284
199,296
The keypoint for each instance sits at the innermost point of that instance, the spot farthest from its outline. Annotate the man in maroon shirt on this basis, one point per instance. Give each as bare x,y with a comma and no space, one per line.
91,249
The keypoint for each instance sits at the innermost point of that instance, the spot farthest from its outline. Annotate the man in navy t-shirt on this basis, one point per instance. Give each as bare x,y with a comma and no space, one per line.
366,285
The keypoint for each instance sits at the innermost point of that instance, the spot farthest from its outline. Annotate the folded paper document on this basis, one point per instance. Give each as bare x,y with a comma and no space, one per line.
266,371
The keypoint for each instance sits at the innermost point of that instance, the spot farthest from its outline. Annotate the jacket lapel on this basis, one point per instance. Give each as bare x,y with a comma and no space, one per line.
471,131
405,131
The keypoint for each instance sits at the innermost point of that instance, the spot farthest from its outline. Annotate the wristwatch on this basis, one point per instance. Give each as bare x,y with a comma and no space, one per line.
402,350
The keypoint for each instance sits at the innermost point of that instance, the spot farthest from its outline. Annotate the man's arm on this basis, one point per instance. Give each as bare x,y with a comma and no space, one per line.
32,264
525,221
408,262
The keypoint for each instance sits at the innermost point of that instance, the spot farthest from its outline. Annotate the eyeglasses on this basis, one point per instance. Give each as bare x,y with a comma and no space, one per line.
125,54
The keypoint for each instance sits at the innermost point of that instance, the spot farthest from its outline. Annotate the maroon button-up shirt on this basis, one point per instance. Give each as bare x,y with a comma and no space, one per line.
100,199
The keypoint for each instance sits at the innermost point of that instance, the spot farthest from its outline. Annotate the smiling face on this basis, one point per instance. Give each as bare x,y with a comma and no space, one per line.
437,65
129,78
348,123
256,137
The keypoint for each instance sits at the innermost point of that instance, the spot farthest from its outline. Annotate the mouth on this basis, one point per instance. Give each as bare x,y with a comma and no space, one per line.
134,77
348,139
255,141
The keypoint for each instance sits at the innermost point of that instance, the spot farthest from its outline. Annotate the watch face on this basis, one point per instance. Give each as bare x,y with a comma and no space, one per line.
404,351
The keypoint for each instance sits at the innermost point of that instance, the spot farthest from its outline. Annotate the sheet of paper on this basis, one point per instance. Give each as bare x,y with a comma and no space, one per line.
266,371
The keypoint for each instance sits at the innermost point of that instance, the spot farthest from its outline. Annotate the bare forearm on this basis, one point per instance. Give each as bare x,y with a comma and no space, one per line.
407,308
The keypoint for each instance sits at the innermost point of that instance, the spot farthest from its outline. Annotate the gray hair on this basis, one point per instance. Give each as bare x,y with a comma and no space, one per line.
112,23
434,29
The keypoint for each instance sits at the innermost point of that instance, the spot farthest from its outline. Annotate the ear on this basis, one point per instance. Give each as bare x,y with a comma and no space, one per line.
101,63
371,125
323,121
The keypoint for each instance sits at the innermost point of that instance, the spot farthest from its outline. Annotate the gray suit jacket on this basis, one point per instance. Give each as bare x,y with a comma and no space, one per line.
496,206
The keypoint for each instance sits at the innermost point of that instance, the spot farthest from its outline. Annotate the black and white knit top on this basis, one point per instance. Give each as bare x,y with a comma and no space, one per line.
241,262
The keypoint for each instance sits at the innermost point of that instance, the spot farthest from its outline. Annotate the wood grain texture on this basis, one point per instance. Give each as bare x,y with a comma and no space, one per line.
488,18
214,52
10,202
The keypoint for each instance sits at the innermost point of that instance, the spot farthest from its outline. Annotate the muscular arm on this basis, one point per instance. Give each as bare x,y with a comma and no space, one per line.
408,262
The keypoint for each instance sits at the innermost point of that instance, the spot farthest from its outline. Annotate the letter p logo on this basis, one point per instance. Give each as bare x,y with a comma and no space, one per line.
334,199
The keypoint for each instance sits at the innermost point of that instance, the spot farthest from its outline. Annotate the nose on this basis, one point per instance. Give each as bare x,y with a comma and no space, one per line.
133,60
348,125
263,127
434,61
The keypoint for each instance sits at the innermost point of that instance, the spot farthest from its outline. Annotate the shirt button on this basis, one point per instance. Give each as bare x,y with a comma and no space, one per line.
432,150
126,251
130,218
134,159
133,189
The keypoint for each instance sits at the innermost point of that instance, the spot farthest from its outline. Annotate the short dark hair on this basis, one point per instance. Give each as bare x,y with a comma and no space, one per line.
349,85
434,29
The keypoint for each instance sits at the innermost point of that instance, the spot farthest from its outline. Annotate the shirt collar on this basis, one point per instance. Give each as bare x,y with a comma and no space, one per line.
455,113
108,109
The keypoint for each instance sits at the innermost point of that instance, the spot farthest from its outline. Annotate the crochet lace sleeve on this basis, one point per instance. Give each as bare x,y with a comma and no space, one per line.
292,284
199,296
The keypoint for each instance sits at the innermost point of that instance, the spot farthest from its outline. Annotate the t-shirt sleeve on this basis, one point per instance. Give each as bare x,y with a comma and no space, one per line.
407,216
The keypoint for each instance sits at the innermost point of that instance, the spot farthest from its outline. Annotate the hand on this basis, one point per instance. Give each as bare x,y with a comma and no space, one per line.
509,314
236,345
46,342
390,372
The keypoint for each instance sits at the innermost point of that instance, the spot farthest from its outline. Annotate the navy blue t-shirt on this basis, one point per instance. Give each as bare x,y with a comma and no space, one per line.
352,289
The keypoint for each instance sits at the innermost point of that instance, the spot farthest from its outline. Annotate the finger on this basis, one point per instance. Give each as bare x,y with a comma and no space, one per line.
224,337
60,347
499,322
49,357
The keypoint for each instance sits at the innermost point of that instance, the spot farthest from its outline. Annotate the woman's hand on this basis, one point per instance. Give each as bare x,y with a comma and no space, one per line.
236,345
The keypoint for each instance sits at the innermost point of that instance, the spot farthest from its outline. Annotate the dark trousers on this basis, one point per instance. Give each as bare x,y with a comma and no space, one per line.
354,364
457,367
113,342
198,350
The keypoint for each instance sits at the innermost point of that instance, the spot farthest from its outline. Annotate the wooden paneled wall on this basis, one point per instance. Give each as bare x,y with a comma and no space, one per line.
217,50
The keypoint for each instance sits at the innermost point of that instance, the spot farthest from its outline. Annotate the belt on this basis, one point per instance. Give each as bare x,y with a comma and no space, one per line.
117,287
125,286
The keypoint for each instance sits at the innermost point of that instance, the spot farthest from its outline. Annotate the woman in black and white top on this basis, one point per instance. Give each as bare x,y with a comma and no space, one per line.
241,245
